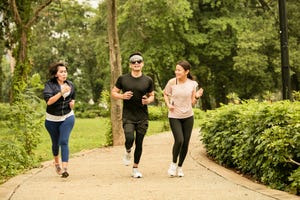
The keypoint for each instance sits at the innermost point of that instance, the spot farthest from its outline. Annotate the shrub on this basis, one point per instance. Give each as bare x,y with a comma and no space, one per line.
86,110
20,134
26,120
157,113
258,139
4,107
13,159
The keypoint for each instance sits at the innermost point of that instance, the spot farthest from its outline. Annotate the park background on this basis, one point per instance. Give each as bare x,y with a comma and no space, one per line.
234,49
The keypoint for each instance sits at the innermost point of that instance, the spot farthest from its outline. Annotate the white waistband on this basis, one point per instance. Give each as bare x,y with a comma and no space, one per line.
55,118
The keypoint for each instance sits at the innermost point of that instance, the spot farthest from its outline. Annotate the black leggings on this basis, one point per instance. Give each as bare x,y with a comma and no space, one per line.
182,130
140,129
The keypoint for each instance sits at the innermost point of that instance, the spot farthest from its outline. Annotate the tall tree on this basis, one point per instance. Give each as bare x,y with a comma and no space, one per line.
24,16
294,41
116,70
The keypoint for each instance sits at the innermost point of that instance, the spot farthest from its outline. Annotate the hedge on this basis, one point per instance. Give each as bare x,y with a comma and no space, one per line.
258,139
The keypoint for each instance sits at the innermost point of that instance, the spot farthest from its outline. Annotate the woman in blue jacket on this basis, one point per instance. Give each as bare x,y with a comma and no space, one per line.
59,94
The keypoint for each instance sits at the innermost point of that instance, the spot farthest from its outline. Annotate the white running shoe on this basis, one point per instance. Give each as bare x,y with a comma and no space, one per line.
180,172
172,169
126,158
136,173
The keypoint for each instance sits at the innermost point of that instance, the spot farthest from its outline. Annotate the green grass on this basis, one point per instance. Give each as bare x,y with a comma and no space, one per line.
87,134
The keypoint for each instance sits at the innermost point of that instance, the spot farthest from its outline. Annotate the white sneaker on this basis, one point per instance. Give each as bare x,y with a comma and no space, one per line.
136,173
180,172
126,158
172,169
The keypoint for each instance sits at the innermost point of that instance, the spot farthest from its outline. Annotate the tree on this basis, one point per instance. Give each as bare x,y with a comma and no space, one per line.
66,32
158,30
23,17
241,48
294,42
116,70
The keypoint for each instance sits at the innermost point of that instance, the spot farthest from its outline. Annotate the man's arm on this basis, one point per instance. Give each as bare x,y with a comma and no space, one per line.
115,93
149,98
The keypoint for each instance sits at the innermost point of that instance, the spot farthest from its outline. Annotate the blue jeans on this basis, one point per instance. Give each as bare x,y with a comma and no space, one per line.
60,133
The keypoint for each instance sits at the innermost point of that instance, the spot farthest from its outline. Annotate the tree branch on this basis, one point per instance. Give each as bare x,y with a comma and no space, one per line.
36,13
15,12
264,4
295,162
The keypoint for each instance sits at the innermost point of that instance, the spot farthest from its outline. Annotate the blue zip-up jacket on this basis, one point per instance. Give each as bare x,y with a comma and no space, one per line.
61,106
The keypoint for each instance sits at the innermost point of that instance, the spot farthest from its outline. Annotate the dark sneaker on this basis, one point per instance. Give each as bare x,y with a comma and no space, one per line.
65,174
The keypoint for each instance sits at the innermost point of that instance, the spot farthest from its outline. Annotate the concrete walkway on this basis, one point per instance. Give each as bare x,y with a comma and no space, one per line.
100,174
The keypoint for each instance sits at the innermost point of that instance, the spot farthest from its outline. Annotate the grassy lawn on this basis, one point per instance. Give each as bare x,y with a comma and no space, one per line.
87,134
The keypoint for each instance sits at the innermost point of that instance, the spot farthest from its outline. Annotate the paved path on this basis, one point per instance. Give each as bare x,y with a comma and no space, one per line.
100,174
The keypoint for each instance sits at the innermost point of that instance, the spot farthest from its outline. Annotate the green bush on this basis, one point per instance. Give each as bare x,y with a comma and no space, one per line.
4,107
13,159
20,135
157,112
198,113
86,110
161,113
258,139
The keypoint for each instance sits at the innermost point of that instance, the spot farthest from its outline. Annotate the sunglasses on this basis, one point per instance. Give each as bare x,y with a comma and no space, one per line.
138,62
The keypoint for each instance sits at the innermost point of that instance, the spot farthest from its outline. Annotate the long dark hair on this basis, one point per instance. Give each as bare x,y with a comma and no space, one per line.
53,68
186,66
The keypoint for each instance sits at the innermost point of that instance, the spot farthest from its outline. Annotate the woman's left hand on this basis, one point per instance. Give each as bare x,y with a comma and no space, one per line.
199,93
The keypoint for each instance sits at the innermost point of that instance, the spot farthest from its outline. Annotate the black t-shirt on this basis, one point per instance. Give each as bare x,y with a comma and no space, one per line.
133,109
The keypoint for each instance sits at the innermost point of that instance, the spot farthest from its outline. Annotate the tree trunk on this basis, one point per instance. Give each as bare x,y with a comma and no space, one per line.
116,71
23,67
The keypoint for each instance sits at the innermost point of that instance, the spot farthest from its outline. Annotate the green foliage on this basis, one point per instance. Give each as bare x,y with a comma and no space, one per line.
64,32
13,159
233,98
105,105
225,41
108,134
296,95
216,128
4,114
26,118
157,112
92,110
295,179
21,123
26,115
86,110
198,113
258,139
150,29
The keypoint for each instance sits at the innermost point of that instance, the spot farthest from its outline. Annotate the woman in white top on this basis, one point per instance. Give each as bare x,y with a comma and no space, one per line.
180,95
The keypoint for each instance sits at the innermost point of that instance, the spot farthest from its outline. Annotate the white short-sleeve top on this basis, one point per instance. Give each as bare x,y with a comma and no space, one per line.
180,95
